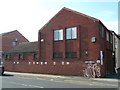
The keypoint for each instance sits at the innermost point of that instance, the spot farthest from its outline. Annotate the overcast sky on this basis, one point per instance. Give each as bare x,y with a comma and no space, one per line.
28,16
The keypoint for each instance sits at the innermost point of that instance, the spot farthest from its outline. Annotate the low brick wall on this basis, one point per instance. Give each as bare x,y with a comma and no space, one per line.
52,67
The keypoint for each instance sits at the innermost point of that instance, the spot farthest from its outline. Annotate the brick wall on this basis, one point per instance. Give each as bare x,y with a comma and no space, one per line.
67,19
10,37
59,68
87,28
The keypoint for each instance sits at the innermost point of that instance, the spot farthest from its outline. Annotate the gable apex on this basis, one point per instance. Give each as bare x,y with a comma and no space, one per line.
71,11
9,32
76,12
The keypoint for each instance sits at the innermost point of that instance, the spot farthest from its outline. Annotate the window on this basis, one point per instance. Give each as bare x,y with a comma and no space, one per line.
102,31
21,56
35,56
71,55
57,54
8,56
58,35
68,33
14,43
116,43
71,33
111,38
107,36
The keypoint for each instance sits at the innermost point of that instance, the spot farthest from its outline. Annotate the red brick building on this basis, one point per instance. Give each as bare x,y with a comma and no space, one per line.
11,39
69,44
17,57
76,38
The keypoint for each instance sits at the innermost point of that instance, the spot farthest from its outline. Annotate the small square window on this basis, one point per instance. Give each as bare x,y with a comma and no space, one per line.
14,44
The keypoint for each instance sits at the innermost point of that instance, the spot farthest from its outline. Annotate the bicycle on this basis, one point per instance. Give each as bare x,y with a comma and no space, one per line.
92,71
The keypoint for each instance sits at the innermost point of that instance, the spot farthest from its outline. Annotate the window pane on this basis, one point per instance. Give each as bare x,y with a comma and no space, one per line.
68,55
111,38
68,33
107,35
74,33
13,44
61,34
74,55
35,56
57,54
102,32
56,35
7,56
71,55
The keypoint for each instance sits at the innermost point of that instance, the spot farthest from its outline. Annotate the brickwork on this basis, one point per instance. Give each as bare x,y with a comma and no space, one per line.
87,28
10,37
58,68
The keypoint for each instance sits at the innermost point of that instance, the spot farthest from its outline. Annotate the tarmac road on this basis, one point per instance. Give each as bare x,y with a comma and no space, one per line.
22,80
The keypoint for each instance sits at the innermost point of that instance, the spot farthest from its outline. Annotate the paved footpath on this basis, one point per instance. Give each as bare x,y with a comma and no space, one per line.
67,78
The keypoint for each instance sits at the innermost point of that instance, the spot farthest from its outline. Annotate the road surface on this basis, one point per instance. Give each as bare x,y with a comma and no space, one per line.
14,81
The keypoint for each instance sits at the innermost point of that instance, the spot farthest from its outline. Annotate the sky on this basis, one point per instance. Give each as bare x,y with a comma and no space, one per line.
28,16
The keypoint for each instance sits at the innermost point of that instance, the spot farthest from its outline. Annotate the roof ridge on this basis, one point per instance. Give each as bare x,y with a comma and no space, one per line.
24,47
9,32
80,13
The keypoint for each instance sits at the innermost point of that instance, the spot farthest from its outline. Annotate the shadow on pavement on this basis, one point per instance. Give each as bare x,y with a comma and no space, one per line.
7,75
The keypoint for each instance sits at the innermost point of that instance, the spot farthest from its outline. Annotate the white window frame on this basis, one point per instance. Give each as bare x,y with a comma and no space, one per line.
59,35
72,32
